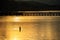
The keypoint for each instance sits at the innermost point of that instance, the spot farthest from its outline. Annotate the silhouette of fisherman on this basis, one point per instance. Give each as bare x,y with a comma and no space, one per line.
19,29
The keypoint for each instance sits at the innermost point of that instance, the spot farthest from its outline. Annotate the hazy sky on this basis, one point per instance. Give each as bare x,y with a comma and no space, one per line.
51,2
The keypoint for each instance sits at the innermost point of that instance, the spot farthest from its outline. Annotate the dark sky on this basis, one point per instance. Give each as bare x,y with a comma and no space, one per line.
50,2
30,4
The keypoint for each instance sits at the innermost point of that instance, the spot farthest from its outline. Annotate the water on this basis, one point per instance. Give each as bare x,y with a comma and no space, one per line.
42,29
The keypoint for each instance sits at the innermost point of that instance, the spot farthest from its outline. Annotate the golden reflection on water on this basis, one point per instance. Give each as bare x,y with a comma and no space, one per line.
39,30
29,31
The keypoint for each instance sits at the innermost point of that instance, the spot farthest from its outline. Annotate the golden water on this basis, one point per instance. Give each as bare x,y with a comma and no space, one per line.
45,28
